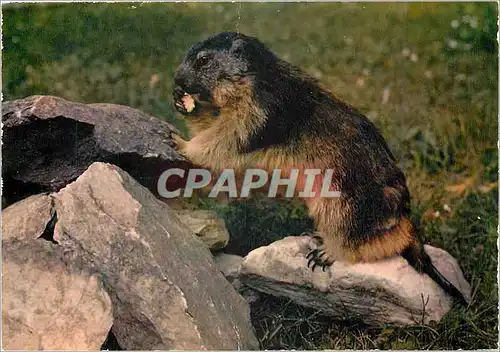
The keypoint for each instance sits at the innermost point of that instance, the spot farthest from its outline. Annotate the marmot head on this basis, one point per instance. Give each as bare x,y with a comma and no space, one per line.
220,71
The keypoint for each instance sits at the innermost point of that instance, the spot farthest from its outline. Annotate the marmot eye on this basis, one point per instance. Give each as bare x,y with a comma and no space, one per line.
202,60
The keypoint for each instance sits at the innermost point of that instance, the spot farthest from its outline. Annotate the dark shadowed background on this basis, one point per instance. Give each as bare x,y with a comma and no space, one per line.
426,74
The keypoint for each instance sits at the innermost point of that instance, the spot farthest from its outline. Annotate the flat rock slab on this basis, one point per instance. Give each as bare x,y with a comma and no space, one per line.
46,304
166,291
388,291
48,142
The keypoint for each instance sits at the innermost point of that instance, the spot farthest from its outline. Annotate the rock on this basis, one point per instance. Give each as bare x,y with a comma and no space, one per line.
48,142
388,291
207,226
27,219
165,288
45,303
229,265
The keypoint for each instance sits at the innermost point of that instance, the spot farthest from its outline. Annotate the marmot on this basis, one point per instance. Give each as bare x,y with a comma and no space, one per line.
246,108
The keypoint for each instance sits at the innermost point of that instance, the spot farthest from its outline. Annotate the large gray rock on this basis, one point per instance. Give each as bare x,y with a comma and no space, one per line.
388,291
165,288
47,304
48,142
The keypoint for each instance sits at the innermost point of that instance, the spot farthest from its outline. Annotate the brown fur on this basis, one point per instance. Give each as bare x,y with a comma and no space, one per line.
215,146
254,110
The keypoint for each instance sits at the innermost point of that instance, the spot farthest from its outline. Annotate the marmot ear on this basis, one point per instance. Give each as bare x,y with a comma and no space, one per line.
238,46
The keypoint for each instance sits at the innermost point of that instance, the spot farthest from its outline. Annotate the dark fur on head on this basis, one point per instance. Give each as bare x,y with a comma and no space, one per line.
228,59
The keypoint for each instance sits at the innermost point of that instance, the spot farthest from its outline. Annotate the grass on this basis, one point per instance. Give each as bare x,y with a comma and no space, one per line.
426,74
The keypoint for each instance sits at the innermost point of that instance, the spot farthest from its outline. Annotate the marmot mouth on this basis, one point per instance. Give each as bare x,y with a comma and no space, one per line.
184,102
190,104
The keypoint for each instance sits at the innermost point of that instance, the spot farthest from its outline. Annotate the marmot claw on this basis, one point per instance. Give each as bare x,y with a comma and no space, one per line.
316,259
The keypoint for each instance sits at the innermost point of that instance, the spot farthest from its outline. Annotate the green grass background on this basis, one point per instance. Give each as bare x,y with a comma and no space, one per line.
426,74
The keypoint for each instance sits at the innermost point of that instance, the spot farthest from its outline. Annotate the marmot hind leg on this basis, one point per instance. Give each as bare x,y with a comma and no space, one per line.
338,240
328,248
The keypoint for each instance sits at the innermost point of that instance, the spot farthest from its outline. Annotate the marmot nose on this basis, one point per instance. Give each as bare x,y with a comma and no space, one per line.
179,82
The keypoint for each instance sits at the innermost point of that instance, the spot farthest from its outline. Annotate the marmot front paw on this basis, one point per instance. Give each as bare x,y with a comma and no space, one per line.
179,142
